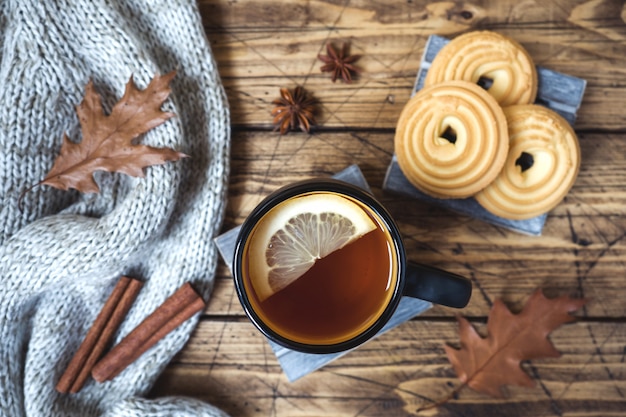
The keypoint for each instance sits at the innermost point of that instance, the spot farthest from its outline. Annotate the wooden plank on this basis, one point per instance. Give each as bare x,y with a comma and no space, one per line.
582,250
262,162
261,46
229,364
499,268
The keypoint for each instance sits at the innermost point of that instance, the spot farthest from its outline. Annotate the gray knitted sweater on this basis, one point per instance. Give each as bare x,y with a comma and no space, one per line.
61,255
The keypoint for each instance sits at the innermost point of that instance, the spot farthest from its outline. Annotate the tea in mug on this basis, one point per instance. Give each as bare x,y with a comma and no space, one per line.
319,268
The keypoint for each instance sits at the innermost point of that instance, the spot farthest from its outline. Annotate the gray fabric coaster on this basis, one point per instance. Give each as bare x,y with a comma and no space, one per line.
296,364
559,92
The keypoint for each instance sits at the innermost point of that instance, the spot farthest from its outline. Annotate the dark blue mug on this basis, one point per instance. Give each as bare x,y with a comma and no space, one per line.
343,298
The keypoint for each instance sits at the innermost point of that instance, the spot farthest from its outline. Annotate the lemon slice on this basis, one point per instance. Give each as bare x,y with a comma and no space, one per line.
295,233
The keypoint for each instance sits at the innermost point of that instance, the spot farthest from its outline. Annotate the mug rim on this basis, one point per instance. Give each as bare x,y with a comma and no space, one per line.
299,188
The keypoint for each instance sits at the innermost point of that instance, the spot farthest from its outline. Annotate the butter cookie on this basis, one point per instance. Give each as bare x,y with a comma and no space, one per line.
451,139
542,165
495,62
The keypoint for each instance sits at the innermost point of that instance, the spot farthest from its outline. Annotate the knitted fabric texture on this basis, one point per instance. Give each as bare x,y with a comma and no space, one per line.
61,256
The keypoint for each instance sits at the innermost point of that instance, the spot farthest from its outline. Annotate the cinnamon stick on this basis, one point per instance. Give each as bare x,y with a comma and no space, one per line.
174,311
99,334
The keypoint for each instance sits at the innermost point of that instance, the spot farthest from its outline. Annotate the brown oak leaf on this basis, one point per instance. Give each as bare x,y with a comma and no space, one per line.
487,364
107,140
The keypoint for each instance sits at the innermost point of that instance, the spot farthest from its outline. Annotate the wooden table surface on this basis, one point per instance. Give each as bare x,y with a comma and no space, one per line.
263,45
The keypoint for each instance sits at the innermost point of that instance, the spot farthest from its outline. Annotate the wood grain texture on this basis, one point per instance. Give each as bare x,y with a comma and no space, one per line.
229,364
585,234
262,45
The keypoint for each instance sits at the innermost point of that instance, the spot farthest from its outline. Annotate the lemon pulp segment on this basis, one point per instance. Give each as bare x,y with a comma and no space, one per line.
295,233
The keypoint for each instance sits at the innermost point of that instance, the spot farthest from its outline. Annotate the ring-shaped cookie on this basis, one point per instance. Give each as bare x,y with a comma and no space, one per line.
451,139
497,63
542,165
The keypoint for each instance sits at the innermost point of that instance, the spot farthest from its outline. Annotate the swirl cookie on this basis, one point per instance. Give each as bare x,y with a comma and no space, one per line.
542,165
451,139
497,63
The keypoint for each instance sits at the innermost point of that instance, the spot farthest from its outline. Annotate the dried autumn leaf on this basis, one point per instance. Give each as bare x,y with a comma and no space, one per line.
107,140
486,364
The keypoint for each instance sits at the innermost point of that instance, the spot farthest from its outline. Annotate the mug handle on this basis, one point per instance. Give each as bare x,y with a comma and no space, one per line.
436,285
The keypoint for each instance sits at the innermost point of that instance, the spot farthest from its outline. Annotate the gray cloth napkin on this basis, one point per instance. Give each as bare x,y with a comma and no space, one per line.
61,255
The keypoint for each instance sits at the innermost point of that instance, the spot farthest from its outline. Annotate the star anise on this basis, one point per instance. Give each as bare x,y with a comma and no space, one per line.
294,110
339,63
